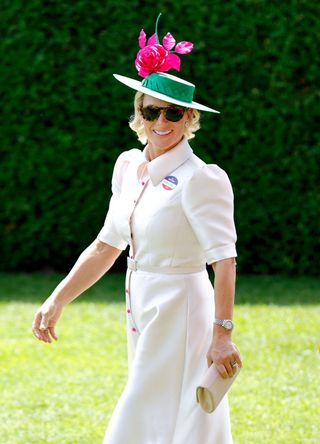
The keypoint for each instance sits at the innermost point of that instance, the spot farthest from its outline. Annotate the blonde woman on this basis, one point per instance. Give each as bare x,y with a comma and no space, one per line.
176,214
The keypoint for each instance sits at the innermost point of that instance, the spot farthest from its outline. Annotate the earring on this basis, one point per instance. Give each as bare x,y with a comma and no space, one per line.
187,124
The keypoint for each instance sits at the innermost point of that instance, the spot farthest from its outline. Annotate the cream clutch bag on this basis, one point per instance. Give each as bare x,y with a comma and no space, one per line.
212,388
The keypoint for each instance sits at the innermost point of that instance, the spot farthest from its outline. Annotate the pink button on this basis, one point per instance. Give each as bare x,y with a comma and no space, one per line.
142,183
128,311
127,291
134,329
134,201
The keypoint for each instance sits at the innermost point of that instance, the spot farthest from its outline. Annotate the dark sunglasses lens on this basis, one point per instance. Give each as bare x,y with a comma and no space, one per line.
174,114
150,113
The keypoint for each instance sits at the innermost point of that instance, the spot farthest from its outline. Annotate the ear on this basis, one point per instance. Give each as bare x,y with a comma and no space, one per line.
189,113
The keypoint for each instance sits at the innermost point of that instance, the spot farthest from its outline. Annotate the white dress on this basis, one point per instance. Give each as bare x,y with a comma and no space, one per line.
176,213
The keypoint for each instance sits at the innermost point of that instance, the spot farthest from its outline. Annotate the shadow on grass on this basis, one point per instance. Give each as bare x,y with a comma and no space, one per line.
277,290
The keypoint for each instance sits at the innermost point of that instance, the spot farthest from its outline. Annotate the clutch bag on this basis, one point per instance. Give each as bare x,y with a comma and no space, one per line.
212,388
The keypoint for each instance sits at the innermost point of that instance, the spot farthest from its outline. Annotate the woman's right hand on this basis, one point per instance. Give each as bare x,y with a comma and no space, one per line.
45,319
93,262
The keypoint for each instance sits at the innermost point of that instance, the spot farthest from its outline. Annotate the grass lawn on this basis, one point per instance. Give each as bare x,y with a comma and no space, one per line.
64,393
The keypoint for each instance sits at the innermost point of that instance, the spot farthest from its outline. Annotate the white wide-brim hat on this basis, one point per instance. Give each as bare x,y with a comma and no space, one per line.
166,87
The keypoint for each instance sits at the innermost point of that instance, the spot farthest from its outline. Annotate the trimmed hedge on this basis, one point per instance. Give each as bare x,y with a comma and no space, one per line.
64,120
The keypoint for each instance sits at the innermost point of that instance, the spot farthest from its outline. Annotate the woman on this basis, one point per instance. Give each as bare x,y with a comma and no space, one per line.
176,213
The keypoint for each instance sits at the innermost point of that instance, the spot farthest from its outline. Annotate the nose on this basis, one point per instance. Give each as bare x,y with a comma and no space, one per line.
161,117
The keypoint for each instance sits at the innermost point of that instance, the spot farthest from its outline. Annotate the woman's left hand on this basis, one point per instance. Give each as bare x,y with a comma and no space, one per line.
224,354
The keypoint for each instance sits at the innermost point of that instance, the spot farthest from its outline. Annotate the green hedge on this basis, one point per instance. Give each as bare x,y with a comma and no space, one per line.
64,120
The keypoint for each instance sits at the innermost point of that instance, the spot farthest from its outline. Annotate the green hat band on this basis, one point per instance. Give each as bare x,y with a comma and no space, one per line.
163,84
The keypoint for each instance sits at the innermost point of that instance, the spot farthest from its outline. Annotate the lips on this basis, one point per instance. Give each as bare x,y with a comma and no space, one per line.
162,133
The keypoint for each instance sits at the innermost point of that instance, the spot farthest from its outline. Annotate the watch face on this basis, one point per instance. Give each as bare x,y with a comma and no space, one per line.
228,325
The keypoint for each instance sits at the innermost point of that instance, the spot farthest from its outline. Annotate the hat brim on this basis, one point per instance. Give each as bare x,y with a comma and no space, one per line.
135,84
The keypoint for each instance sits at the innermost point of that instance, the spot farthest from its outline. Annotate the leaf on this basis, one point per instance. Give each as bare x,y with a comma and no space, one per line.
168,41
142,39
184,47
152,40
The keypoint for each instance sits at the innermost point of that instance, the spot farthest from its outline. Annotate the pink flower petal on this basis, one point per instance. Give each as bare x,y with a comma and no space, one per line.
172,61
143,73
168,41
151,59
184,47
152,40
142,39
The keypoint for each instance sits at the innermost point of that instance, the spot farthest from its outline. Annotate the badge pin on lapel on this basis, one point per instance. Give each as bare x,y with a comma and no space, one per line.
169,183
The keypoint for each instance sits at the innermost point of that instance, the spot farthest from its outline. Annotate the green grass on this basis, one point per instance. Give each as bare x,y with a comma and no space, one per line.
66,391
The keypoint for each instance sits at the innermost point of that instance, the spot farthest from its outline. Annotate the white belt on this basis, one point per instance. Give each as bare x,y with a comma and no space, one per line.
135,266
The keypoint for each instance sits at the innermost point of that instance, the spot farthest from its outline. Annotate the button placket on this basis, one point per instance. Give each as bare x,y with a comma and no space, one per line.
133,325
135,202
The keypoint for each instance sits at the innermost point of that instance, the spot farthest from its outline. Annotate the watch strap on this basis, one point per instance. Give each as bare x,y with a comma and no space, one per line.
225,323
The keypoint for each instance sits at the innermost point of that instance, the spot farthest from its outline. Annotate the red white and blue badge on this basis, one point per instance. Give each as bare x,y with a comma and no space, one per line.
169,183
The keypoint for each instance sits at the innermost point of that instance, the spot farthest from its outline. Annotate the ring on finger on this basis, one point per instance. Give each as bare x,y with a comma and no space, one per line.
233,364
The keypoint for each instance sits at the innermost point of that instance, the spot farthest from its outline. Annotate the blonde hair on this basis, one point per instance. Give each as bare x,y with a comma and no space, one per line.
136,122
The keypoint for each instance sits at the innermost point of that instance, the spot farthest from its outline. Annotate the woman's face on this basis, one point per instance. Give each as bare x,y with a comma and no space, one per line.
162,134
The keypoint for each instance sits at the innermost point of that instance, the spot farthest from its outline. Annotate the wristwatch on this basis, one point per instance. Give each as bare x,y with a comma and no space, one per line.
225,323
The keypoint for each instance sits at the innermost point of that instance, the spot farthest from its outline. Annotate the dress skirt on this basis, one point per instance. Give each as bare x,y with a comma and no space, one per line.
169,329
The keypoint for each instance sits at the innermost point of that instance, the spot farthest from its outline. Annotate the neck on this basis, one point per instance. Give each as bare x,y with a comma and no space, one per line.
154,151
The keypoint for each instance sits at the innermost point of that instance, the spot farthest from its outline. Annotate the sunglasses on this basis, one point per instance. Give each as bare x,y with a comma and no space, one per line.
171,113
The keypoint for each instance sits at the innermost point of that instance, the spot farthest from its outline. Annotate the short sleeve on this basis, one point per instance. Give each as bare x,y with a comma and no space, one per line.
207,201
109,233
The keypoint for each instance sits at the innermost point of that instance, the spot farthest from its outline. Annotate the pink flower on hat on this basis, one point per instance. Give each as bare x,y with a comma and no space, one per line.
154,57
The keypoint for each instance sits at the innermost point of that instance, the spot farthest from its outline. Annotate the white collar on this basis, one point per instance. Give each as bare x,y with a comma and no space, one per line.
163,165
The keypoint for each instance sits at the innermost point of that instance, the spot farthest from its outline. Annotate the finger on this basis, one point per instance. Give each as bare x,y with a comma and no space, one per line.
46,336
233,365
41,329
238,361
45,330
44,322
36,333
39,334
237,358
222,370
35,327
234,369
229,369
53,333
36,320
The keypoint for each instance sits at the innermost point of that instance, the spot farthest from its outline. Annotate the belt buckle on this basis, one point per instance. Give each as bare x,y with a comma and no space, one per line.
132,264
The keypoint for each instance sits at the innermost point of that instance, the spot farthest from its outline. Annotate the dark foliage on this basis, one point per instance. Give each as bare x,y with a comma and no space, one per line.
64,120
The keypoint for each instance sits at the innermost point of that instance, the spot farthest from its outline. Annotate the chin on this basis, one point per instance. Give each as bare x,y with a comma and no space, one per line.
166,143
